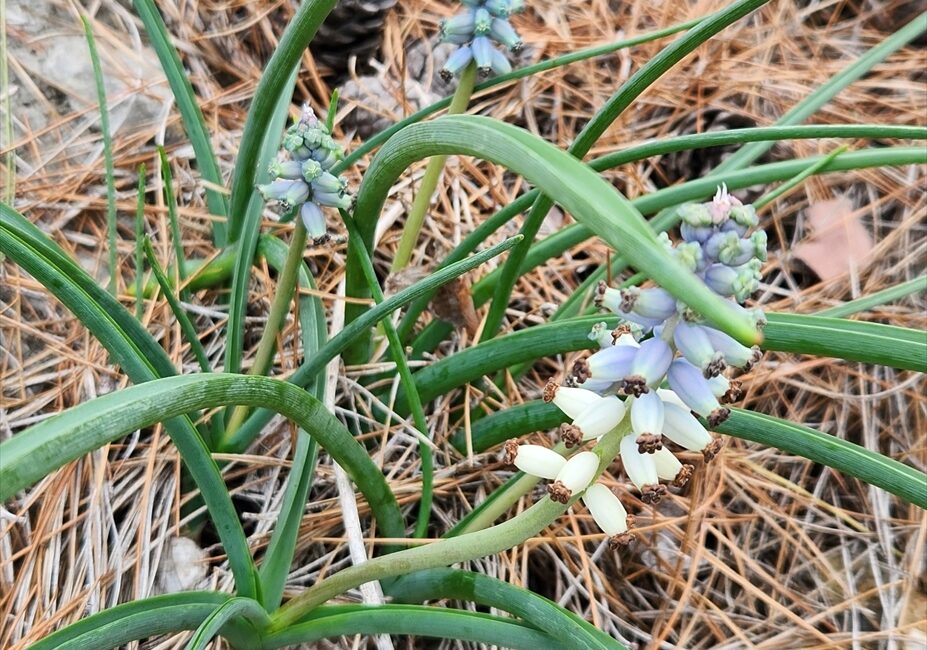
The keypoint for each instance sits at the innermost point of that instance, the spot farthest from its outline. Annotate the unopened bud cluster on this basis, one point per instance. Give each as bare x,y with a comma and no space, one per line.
474,30
301,175
661,367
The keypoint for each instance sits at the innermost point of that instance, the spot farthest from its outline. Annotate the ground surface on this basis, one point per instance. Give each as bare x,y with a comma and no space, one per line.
764,550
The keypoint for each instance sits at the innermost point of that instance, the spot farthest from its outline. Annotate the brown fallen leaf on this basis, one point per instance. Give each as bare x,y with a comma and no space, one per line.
838,241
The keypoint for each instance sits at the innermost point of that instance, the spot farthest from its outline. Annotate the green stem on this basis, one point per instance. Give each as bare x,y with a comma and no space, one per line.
413,399
448,551
278,311
185,325
107,155
139,235
876,299
167,182
416,217
798,179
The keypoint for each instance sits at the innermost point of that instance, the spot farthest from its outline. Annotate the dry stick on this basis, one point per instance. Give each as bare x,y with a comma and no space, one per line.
430,180
371,592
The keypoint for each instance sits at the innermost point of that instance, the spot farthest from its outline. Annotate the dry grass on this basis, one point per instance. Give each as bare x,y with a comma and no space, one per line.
763,550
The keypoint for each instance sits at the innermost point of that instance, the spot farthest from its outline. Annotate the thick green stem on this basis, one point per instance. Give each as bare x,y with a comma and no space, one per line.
278,311
416,217
448,551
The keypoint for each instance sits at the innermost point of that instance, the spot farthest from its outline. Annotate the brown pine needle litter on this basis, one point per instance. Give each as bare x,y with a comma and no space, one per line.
763,550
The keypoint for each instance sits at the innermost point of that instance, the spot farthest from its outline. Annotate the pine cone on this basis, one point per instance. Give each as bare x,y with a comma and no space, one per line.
353,28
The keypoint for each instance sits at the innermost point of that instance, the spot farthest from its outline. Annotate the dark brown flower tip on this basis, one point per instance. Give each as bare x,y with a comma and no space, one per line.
715,368
733,393
621,541
652,493
511,451
620,331
685,473
755,359
628,300
649,443
713,449
600,289
558,492
718,416
550,390
571,435
581,370
634,385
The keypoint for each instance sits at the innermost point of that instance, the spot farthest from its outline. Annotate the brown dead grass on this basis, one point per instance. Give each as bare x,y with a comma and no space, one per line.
763,550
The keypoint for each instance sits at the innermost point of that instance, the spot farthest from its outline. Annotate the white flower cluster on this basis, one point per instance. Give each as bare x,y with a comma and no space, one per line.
626,377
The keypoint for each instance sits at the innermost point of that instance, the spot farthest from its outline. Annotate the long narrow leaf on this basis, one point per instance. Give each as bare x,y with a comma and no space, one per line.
309,370
593,130
190,113
444,583
436,622
134,621
231,609
588,197
40,449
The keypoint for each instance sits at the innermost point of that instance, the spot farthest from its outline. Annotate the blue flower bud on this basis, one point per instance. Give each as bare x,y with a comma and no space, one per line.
744,215
308,119
311,170
313,219
735,354
690,255
500,64
696,347
290,169
682,428
326,157
516,6
653,304
457,61
291,192
333,199
292,140
695,214
699,234
328,184
650,363
482,54
758,240
460,25
733,226
498,8
611,364
647,421
482,22
690,385
738,281
503,32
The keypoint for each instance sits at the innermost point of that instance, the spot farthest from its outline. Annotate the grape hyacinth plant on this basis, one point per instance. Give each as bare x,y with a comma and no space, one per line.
391,410
474,30
302,176
681,352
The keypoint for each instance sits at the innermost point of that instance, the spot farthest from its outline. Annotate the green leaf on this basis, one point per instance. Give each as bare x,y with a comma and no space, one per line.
593,130
869,466
234,608
31,454
310,368
273,81
876,299
898,347
141,358
589,198
190,113
436,622
133,621
107,155
547,616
